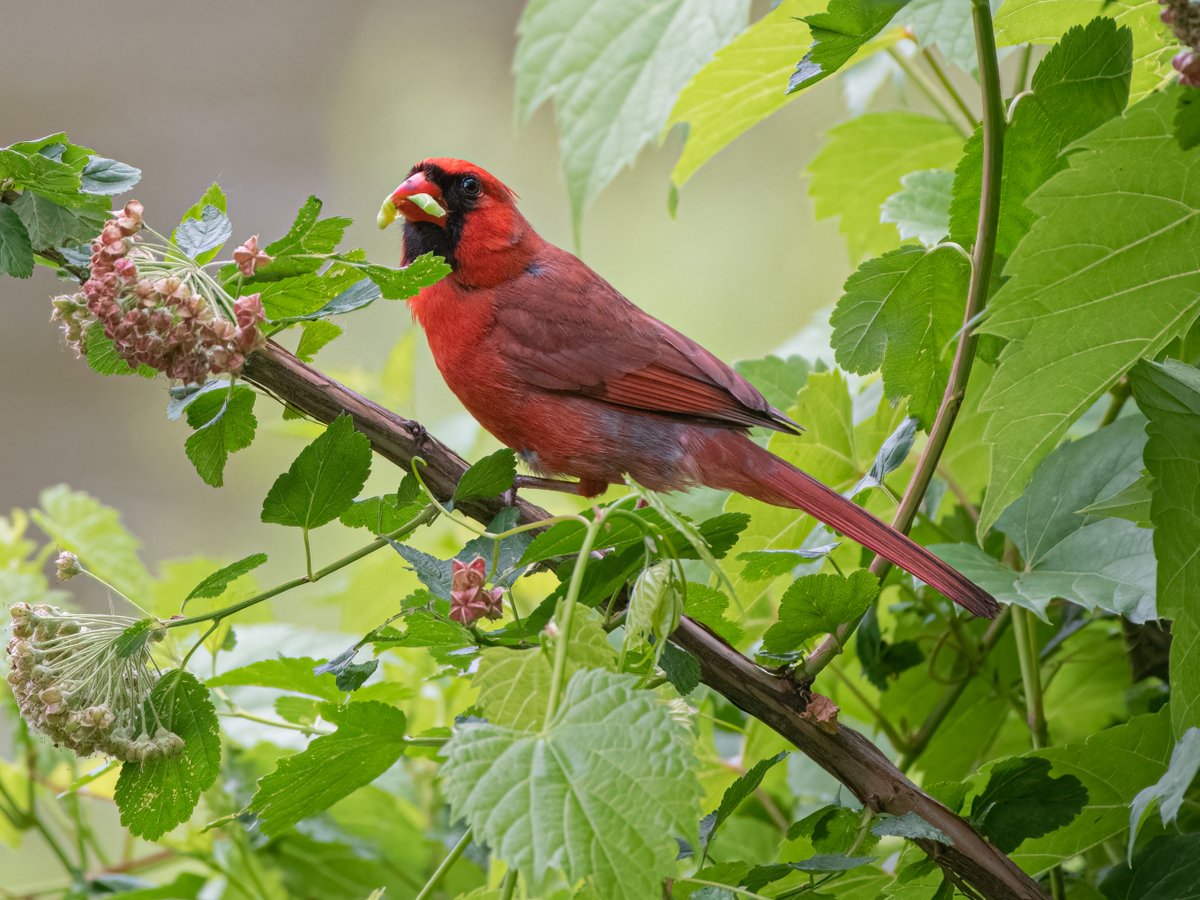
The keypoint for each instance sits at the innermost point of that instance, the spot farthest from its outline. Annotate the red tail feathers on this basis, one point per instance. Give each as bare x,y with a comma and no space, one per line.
731,461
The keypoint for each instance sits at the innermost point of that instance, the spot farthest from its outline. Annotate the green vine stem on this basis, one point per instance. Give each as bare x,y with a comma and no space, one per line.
983,258
1031,677
930,90
944,80
445,866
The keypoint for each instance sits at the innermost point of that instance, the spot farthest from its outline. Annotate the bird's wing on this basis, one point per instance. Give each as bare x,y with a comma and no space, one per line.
563,328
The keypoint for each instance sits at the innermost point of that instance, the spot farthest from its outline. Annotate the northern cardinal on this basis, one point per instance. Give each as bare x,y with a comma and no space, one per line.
559,366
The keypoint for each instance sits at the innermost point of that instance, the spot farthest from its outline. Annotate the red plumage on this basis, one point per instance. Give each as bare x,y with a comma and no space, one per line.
558,365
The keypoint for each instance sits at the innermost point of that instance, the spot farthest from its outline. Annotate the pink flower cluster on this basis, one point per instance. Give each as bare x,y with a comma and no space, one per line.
470,601
1183,16
159,322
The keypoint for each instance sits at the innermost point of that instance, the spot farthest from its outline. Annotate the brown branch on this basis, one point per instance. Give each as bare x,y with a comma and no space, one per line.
776,700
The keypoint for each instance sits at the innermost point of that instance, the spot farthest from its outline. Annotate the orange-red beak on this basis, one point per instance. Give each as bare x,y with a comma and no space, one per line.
417,199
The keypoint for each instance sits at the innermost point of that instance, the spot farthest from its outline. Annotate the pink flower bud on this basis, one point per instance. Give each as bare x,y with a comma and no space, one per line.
249,257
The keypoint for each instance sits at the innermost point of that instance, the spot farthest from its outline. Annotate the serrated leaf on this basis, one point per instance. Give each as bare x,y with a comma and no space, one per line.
778,379
861,164
839,33
708,607
1079,85
489,477
614,772
1131,503
313,338
655,608
743,84
1167,868
423,629
35,171
107,176
368,741
737,793
1044,21
51,225
381,515
216,583
613,73
1168,792
921,208
156,795
1021,801
285,673
911,826
1109,263
224,423
764,564
324,479
309,233
816,605
103,358
681,668
1169,394
208,233
16,250
347,674
400,284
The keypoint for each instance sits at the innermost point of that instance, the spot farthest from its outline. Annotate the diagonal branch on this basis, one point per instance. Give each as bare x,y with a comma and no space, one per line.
776,700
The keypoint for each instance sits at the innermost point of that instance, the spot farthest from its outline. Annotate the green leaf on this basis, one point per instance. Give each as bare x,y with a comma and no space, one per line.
35,171
764,564
614,771
156,795
742,85
911,826
400,284
213,196
1080,84
778,379
681,668
861,165
16,250
1187,121
78,522
216,583
708,607
1169,394
368,741
838,34
655,607
1168,792
1167,868
1021,801
946,25
613,75
107,176
735,795
1131,503
831,862
309,297
902,312
381,515
424,629
207,233
224,423
309,233
891,456
324,479
921,208
347,674
489,477
816,605
514,685
1043,21
51,225
314,336
285,673
1109,263
1097,562
103,358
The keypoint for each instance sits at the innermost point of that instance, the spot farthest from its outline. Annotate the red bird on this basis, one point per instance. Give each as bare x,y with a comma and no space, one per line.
559,366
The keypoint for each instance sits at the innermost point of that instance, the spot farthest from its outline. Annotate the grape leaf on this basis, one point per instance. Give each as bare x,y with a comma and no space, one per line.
816,605
921,208
156,795
839,33
613,72
16,250
323,480
215,584
224,423
1169,394
368,741
614,772
861,165
901,312
891,456
1168,792
742,85
489,477
1108,269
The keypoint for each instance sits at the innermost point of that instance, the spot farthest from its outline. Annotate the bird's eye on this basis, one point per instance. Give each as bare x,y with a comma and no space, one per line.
471,186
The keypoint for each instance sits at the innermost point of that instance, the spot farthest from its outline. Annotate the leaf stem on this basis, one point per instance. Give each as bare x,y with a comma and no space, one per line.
930,90
425,517
508,885
1022,77
944,80
444,866
307,555
1031,678
983,257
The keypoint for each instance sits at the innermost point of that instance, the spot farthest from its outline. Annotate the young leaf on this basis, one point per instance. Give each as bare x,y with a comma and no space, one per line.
891,456
615,772
1021,800
708,607
381,515
861,165
489,477
400,284
613,77
324,479
309,236
655,607
216,583
736,794
921,208
816,605
156,795
1108,263
1169,394
224,423
911,826
838,34
107,176
681,668
208,233
16,250
313,338
741,86
347,674
285,673
1168,792
368,741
